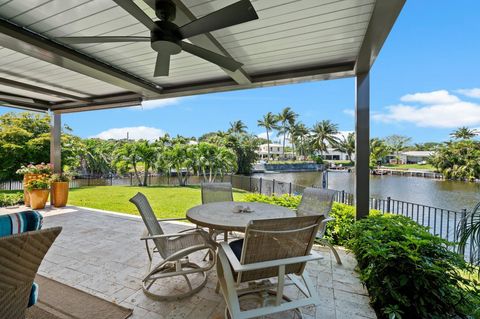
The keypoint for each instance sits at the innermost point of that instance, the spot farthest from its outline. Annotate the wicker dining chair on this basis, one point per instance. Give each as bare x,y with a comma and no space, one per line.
271,248
20,257
318,201
174,249
217,192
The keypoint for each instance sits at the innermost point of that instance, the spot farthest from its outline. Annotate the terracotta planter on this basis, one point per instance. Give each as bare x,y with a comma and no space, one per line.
38,198
26,179
59,194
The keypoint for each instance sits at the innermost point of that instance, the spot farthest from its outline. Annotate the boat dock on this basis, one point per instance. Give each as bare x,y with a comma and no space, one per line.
409,172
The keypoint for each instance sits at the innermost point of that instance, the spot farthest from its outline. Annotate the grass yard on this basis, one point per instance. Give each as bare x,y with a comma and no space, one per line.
166,201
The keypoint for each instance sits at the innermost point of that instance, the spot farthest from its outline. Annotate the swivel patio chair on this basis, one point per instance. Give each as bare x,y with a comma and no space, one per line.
175,250
217,192
272,249
318,201
20,257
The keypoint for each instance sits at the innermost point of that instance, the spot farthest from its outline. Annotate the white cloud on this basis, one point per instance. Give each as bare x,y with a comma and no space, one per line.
134,133
439,109
156,104
435,97
349,112
475,93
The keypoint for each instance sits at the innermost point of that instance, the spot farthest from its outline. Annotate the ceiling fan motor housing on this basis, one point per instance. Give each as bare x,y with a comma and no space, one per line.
165,38
165,10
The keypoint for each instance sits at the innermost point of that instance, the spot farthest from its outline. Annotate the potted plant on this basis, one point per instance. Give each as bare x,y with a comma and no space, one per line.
59,184
33,172
38,190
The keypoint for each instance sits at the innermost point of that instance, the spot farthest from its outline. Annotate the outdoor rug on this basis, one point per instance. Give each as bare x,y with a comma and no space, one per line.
59,301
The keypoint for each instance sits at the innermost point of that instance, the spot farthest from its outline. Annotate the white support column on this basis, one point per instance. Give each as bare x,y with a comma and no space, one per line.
362,144
55,142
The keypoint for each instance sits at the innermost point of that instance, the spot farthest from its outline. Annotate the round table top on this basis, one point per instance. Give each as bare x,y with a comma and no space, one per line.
221,215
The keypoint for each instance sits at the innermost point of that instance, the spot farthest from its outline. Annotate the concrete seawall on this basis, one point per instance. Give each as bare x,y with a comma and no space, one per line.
297,167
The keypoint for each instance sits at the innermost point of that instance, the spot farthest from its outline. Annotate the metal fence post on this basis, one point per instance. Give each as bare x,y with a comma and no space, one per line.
111,180
290,189
250,183
88,180
260,185
389,200
10,184
131,179
343,196
273,186
461,230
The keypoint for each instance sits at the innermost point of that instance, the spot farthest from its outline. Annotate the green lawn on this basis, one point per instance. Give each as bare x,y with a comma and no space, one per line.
166,201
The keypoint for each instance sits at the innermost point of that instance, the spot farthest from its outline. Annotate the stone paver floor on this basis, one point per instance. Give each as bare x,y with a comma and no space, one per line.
100,253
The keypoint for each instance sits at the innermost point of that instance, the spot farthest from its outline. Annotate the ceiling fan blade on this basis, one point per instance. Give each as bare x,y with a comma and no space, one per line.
75,40
218,59
162,66
136,12
239,12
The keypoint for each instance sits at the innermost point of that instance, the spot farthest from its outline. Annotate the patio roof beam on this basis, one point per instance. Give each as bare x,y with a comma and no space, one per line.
55,142
321,72
362,145
26,42
24,102
42,90
384,15
207,40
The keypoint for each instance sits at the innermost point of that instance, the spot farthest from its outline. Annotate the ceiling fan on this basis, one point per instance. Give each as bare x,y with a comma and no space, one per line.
166,38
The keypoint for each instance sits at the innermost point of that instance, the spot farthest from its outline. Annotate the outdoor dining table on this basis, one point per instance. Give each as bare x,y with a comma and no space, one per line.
222,215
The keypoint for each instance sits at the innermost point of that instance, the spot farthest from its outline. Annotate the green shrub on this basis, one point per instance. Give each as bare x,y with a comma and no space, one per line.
338,231
410,273
11,199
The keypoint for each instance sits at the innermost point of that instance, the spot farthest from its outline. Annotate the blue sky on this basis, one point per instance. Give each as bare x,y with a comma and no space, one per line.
424,83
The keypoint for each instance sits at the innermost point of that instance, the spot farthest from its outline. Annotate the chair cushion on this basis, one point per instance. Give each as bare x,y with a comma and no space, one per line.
20,222
237,246
33,295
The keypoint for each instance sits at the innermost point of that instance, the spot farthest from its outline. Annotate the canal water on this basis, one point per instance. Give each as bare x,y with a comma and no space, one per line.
432,192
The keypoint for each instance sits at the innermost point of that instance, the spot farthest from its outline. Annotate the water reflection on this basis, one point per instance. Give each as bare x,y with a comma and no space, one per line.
438,193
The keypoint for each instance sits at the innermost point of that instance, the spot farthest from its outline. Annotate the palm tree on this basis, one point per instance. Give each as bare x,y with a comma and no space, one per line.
464,133
324,133
237,127
378,150
269,122
301,131
347,145
148,154
128,153
397,143
287,118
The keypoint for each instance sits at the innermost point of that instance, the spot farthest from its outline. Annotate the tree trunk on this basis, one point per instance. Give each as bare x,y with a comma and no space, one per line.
268,147
136,174
146,175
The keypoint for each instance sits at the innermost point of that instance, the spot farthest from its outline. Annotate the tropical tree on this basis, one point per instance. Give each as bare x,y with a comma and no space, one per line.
464,133
459,160
378,150
128,153
269,122
98,156
287,119
324,134
180,157
301,133
347,145
147,153
237,127
397,143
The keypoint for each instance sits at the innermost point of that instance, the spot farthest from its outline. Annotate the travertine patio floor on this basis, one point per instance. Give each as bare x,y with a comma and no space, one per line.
101,253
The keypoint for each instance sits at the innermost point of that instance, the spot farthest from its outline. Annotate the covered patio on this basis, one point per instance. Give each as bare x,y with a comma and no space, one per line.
99,252
290,42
